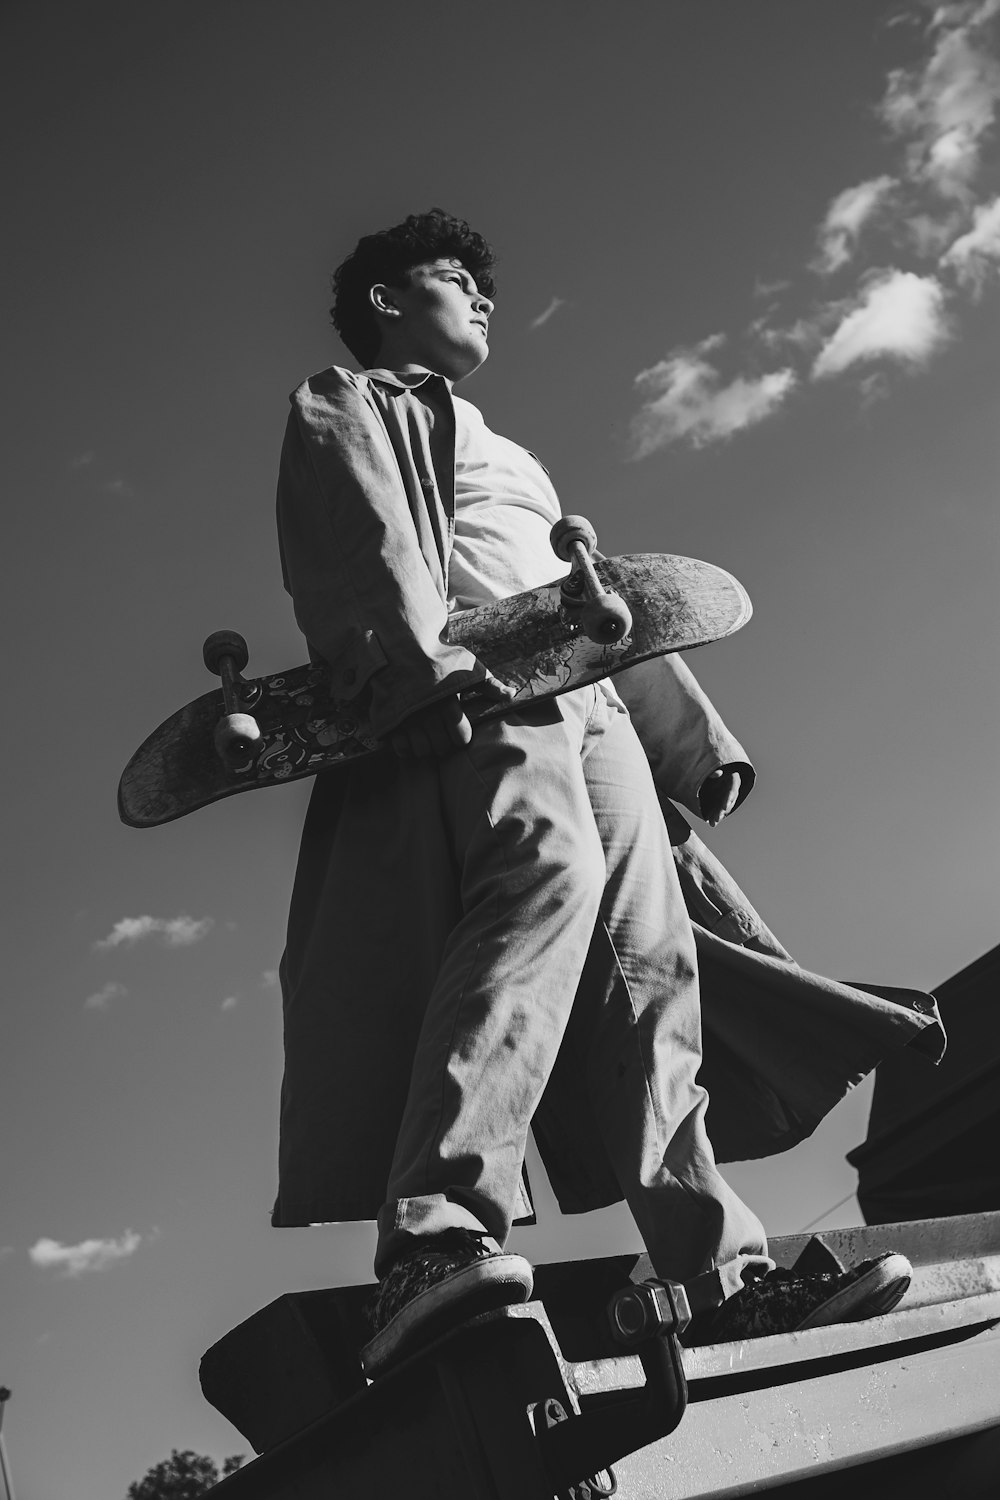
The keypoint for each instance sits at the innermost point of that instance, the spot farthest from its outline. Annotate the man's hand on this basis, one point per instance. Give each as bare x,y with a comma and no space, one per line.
717,795
436,730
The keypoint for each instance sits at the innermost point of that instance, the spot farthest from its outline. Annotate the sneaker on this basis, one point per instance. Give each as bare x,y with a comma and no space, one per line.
442,1281
785,1301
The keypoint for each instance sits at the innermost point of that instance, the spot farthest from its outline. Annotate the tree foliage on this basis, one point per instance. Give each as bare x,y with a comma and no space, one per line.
182,1476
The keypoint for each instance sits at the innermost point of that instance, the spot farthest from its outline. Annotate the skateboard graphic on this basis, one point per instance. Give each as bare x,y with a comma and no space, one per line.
602,617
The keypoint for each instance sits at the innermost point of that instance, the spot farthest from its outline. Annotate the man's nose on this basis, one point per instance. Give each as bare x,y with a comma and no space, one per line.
482,304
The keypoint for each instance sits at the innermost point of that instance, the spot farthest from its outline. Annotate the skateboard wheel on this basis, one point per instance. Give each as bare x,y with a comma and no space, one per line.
606,619
236,737
569,530
222,643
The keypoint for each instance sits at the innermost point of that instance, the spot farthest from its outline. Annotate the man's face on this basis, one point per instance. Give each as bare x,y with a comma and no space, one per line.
439,320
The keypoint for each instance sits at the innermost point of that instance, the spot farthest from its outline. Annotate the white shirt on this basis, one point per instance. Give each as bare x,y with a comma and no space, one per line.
505,507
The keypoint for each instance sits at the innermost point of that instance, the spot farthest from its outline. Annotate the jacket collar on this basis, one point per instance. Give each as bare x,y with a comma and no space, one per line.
403,380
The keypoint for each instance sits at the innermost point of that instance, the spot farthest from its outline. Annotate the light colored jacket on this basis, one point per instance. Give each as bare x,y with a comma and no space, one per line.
366,519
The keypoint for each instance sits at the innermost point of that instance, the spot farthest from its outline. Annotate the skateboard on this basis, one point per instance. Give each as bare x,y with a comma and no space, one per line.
605,615
493,1407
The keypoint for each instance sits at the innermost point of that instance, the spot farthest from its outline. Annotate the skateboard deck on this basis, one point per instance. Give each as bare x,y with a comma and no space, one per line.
532,642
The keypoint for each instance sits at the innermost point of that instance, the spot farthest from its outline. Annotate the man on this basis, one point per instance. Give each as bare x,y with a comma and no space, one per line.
487,927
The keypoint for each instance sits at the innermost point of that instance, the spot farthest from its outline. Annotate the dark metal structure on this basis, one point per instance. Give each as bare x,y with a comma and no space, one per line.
932,1133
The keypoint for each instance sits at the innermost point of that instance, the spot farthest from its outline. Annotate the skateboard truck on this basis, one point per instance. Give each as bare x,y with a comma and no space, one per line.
645,1317
646,1309
237,734
605,616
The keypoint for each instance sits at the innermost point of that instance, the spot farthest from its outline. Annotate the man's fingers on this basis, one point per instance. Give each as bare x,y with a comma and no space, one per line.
461,730
435,731
719,795
447,727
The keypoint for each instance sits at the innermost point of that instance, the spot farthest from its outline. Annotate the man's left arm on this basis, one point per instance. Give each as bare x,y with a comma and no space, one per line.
694,759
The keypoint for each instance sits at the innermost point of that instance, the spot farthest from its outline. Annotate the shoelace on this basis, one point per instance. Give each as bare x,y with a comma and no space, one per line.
455,1242
461,1240
808,1278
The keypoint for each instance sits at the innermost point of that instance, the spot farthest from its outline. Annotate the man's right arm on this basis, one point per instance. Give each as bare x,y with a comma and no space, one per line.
364,596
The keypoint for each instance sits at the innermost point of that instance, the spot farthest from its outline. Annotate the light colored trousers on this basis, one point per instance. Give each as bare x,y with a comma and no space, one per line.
560,841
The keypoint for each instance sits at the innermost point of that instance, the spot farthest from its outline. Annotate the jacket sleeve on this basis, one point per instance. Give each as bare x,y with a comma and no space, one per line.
683,736
363,594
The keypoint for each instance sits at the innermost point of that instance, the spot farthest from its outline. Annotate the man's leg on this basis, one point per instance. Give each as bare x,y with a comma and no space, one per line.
640,994
531,871
640,1015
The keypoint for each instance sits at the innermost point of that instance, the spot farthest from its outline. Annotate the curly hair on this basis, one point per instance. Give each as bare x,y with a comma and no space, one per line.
388,256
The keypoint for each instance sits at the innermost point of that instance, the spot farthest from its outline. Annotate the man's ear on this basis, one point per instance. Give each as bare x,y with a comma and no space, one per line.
382,299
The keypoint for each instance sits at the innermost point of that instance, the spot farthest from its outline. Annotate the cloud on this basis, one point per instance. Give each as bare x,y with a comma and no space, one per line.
942,108
939,114
974,255
764,289
269,979
846,217
686,398
801,334
174,932
89,1255
901,316
119,487
230,1002
550,311
103,997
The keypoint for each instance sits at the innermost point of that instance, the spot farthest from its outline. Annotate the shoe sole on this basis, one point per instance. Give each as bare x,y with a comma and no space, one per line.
484,1286
871,1296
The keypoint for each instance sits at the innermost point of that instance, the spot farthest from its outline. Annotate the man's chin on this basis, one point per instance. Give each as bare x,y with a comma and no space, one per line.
481,355
461,369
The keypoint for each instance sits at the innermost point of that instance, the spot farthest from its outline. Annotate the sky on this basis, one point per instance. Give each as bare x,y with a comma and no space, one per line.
748,311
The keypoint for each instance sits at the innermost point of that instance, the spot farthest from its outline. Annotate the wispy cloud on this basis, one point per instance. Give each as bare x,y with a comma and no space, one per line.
938,116
269,979
941,109
117,486
230,1002
88,1255
686,397
845,219
550,312
975,255
174,932
764,289
103,998
900,316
